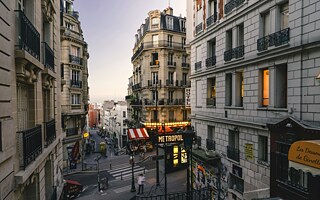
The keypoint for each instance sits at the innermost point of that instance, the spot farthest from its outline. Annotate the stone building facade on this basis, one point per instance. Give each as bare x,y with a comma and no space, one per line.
30,123
74,75
254,65
160,71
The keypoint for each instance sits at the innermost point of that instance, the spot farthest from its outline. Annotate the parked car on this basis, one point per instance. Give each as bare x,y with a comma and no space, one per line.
71,189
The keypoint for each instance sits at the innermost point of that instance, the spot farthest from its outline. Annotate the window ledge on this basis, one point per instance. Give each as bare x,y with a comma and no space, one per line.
273,109
234,60
233,161
272,48
209,106
263,163
234,107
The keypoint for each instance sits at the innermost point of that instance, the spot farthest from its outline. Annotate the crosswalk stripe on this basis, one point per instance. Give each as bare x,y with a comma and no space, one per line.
126,171
122,169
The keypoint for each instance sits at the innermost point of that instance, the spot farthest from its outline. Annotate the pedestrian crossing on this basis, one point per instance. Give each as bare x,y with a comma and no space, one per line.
125,172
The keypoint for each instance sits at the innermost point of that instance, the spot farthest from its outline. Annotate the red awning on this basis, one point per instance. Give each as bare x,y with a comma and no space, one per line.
73,182
138,134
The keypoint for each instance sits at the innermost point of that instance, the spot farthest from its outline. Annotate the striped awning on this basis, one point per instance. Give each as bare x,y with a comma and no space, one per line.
138,134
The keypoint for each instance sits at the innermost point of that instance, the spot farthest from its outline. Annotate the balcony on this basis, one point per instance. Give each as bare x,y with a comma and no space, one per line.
155,63
164,44
170,82
175,101
172,64
72,131
137,53
30,145
154,83
232,4
50,132
75,84
212,19
211,61
233,153
211,101
136,86
275,39
185,65
185,83
136,103
236,53
48,56
211,144
197,65
199,28
28,36
75,60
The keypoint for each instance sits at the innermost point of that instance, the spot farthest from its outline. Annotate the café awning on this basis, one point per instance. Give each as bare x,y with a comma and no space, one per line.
138,134
305,155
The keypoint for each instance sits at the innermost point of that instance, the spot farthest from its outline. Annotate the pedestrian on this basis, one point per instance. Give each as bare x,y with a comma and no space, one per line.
141,180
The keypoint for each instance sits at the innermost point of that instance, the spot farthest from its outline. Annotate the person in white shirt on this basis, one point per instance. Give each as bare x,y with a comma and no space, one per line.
141,180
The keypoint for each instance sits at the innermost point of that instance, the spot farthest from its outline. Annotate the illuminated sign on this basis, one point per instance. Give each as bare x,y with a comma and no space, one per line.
85,135
170,138
306,153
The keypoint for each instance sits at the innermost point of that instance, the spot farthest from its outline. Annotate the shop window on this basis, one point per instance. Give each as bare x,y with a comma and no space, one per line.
263,148
298,178
184,157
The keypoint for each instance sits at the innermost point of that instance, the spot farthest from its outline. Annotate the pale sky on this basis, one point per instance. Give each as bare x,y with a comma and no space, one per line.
109,27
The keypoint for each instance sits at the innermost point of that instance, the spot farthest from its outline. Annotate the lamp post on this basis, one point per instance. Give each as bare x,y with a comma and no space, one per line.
188,136
157,135
133,187
97,159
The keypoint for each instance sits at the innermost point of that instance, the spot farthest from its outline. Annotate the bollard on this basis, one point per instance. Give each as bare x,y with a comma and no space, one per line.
110,166
121,176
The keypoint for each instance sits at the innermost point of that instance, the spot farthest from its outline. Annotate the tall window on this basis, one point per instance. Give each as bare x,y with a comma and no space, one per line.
183,25
266,23
75,75
170,23
240,29
198,92
265,87
170,77
211,91
184,58
75,99
154,23
263,148
154,95
170,95
183,41
155,40
69,26
284,16
211,131
124,114
171,116
233,146
170,59
75,51
211,48
212,7
239,92
281,86
184,78
155,60
170,40
154,76
228,90
229,40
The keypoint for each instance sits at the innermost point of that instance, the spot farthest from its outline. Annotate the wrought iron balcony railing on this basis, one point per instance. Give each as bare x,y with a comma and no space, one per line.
232,4
154,83
211,144
170,82
237,52
274,39
211,101
72,131
75,84
185,83
197,65
199,28
212,19
185,65
48,56
50,132
136,86
155,62
163,44
75,59
171,63
28,36
233,153
30,145
211,61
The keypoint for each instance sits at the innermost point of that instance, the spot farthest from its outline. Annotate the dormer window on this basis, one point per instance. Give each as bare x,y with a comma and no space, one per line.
155,23
182,25
170,23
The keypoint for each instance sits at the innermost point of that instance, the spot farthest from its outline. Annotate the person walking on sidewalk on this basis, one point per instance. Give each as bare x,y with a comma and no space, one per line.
141,180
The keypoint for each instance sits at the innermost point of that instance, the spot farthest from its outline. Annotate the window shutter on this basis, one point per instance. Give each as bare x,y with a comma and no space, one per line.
221,6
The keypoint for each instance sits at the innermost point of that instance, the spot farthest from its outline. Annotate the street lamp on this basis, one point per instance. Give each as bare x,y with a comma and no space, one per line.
133,187
97,159
157,135
188,136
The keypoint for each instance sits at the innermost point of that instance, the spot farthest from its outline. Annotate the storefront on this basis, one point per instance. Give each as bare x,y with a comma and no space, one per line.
295,160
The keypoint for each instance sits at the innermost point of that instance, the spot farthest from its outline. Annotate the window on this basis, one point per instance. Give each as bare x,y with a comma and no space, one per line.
154,23
210,138
281,86
211,91
239,89
198,4
155,60
170,40
266,23
184,115
233,146
170,23
170,95
171,116
170,77
265,87
124,114
154,115
183,25
154,95
284,16
75,99
75,75
212,7
69,26
184,78
155,41
198,97
184,58
154,77
228,90
240,29
75,51
263,148
211,48
234,43
298,178
229,40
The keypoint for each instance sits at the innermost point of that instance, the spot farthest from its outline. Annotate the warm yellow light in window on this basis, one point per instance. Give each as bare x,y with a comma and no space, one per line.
265,87
242,85
175,155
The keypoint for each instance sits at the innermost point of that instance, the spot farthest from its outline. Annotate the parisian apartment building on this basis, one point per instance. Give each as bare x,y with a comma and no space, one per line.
161,71
30,120
255,92
74,80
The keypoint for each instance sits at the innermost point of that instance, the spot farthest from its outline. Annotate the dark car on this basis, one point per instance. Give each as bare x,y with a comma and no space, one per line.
71,189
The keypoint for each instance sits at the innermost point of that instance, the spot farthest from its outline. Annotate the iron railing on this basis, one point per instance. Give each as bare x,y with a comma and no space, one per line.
197,65
153,83
185,83
170,82
28,36
151,102
164,44
48,56
233,153
232,4
211,101
136,86
137,53
212,19
75,84
237,52
72,131
185,65
31,140
171,63
75,59
199,28
211,61
50,132
211,144
274,39
155,62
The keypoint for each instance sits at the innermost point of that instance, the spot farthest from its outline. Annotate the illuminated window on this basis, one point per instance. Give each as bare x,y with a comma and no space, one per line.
211,91
265,87
175,155
155,40
183,156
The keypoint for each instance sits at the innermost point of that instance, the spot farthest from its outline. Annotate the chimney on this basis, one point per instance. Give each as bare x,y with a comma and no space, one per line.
168,11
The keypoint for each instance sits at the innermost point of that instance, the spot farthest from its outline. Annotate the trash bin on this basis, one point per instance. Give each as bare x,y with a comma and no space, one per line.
102,148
